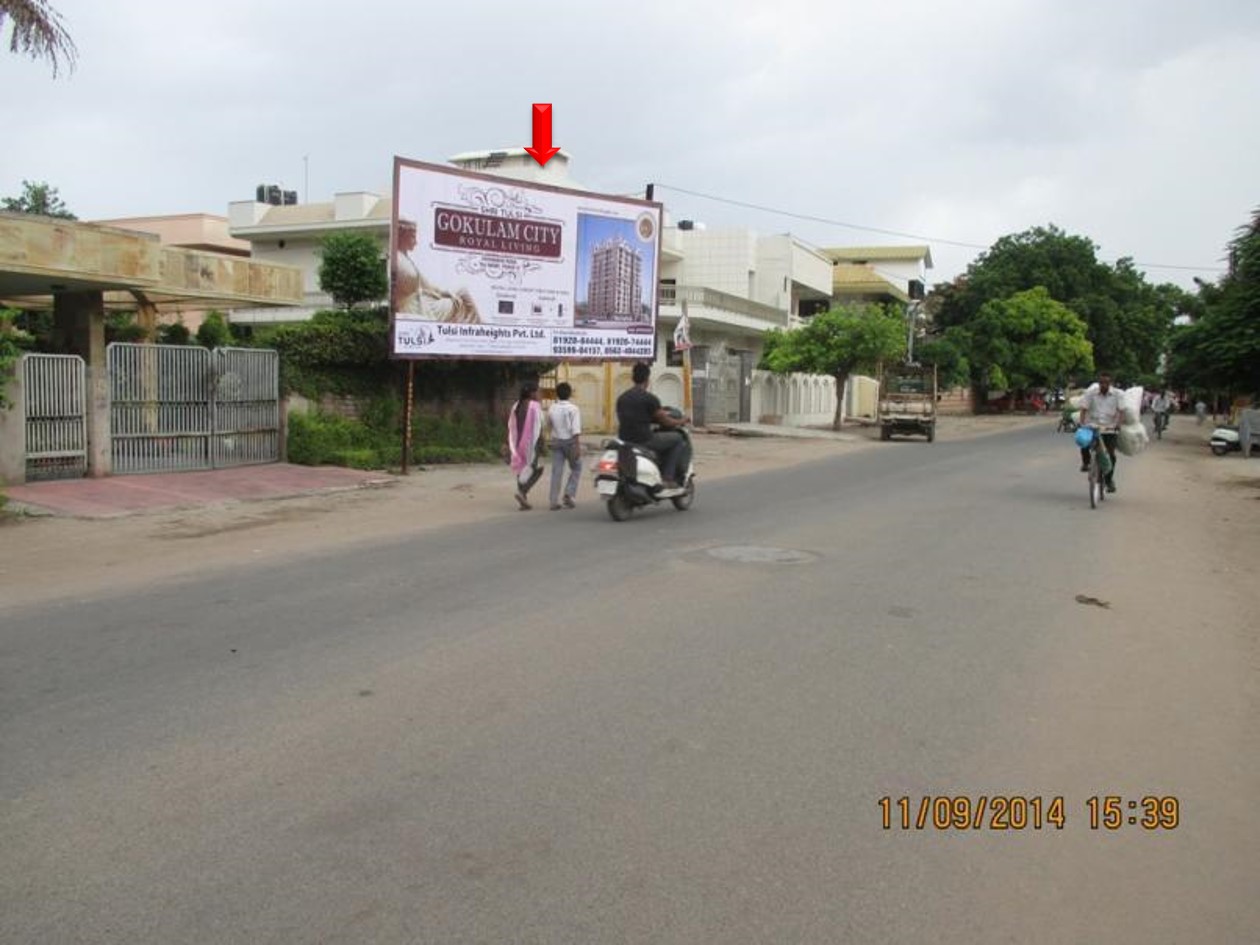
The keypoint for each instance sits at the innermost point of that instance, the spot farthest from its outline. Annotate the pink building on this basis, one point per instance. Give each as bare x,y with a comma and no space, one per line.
199,231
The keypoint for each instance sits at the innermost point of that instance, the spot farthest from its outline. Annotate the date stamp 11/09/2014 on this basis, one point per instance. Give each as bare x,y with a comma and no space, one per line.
1016,812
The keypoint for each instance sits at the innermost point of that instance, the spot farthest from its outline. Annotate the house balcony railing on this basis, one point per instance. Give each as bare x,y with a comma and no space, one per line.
723,301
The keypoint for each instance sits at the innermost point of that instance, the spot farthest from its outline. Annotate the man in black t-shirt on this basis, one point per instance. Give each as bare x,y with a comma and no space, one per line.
637,410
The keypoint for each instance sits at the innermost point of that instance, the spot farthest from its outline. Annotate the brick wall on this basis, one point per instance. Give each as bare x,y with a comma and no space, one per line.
955,400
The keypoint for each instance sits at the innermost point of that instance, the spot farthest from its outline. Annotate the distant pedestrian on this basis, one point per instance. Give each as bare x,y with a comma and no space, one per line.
525,432
1162,408
565,420
1200,412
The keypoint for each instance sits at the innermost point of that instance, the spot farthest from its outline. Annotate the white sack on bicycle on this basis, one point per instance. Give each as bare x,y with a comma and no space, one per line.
1132,438
1079,400
1131,408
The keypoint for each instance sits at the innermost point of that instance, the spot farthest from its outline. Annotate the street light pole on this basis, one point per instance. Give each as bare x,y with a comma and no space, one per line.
912,317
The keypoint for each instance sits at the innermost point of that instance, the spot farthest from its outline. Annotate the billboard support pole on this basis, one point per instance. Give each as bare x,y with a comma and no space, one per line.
407,408
608,397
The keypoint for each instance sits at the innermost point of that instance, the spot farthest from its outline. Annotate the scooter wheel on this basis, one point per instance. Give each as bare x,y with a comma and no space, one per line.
618,508
1219,450
683,502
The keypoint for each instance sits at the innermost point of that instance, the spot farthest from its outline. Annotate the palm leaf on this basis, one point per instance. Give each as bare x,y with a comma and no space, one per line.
38,32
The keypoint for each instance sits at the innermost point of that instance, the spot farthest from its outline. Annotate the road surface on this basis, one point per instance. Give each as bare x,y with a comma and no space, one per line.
551,728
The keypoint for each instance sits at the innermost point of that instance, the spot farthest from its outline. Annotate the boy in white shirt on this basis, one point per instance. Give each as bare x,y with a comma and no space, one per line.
565,421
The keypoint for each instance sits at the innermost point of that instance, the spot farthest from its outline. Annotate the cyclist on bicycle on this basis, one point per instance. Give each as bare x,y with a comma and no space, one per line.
1100,409
1161,407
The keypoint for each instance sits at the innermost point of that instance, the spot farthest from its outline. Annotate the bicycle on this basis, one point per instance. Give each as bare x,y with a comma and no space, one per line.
1161,423
1100,466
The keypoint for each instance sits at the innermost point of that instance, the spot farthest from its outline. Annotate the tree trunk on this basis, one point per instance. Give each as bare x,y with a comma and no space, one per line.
838,420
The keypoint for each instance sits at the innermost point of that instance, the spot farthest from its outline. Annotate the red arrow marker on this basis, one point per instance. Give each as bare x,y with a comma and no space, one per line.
542,149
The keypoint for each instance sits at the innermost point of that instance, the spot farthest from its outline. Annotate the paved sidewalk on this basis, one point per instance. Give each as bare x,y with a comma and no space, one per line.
120,495
776,430
721,449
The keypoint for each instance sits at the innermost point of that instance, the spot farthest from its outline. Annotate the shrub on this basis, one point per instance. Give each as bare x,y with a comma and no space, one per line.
319,438
453,454
373,441
213,332
13,342
357,459
122,326
174,334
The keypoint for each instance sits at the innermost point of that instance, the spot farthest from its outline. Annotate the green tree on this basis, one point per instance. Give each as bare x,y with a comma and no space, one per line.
213,331
839,342
1127,319
1066,265
948,352
38,32
352,270
1220,350
39,198
1026,340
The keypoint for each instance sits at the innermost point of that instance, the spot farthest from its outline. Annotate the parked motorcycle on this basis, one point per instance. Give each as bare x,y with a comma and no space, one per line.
628,477
1224,440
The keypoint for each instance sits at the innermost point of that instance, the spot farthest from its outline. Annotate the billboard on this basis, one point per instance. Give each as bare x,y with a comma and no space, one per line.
487,267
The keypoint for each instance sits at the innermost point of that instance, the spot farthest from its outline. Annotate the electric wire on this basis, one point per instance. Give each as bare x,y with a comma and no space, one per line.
886,232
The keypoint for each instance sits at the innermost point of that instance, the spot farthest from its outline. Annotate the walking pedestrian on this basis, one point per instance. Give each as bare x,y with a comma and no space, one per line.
565,420
525,432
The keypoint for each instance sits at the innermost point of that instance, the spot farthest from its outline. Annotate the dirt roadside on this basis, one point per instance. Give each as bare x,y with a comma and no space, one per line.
43,558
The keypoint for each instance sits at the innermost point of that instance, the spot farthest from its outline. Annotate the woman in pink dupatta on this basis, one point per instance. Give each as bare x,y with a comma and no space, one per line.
525,430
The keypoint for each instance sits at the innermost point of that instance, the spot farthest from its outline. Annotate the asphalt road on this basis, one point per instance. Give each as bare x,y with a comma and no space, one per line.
552,728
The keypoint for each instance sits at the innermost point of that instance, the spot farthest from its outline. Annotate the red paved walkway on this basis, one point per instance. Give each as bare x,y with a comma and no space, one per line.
116,495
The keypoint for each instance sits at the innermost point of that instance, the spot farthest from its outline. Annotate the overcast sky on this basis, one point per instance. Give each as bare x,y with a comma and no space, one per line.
1134,123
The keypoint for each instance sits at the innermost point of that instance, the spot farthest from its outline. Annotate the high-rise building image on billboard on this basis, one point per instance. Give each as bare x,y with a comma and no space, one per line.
616,287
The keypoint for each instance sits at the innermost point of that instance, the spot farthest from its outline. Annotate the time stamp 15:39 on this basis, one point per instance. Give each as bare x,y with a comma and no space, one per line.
1027,812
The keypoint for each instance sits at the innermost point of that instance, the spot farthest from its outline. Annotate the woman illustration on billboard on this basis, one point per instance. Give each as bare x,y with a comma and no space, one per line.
414,296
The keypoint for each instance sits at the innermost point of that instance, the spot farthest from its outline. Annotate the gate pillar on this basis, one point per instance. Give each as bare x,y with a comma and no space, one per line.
79,325
13,432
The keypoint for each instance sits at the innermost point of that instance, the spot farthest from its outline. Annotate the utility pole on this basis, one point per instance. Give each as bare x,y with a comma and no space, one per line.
912,318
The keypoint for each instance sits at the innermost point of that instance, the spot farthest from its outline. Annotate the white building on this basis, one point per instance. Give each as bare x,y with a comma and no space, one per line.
734,283
879,273
292,234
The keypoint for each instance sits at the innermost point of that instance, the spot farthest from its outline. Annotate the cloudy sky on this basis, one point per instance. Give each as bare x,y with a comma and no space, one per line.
1133,122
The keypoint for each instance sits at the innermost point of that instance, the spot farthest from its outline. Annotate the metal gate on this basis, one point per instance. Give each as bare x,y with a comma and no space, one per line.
246,407
55,393
177,407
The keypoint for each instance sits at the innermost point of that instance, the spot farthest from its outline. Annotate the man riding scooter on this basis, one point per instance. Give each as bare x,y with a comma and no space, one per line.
637,410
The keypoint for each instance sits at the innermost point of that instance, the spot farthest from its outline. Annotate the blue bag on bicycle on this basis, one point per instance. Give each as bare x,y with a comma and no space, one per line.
1084,437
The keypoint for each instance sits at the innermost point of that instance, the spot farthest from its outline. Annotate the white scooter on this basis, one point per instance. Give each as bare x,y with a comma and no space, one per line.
628,477
1224,440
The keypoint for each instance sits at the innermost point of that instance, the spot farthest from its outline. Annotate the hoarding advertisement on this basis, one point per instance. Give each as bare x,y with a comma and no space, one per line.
488,267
